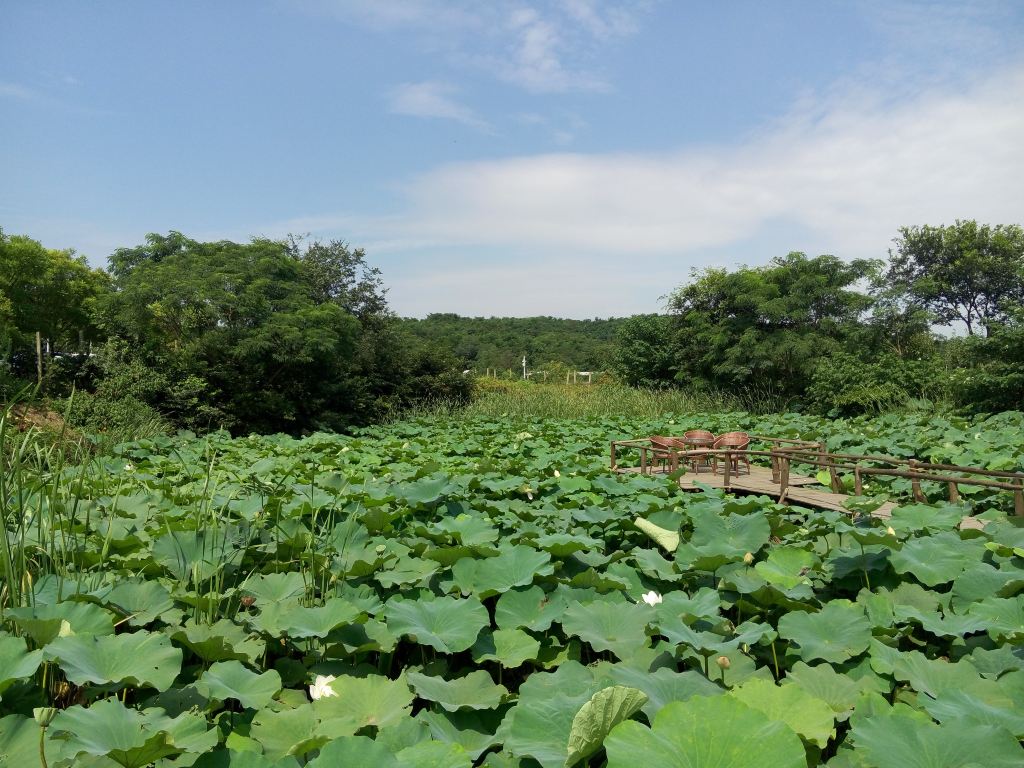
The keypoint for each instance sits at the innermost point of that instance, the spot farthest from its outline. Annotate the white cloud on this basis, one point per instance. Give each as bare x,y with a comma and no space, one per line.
15,91
432,99
852,171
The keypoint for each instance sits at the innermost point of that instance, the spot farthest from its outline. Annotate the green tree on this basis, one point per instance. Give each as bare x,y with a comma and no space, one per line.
644,355
766,326
966,272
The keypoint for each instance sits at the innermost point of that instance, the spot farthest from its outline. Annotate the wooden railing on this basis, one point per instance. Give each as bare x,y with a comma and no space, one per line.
785,452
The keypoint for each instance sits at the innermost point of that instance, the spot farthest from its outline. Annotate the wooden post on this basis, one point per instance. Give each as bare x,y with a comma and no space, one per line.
728,468
643,459
613,455
833,476
954,492
784,481
1018,500
858,483
915,483
39,358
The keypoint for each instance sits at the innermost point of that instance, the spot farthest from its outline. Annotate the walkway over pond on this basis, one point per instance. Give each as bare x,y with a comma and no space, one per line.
768,470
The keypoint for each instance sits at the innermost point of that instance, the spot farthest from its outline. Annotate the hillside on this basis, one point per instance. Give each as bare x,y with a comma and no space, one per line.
501,342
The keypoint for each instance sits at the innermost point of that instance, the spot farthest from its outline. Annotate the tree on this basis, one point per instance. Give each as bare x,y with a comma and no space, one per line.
766,326
644,355
965,272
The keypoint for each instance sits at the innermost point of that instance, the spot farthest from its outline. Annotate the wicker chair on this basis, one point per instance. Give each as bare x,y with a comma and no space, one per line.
695,439
735,440
663,451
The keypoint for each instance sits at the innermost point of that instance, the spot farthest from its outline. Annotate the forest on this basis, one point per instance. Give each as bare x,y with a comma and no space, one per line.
296,335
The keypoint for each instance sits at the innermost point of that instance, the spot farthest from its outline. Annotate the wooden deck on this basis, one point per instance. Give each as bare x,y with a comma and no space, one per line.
759,481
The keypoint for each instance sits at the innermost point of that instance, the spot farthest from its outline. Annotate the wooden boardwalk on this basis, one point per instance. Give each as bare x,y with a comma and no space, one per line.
759,481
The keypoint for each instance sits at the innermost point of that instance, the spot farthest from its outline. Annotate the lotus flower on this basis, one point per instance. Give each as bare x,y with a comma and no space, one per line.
651,598
321,687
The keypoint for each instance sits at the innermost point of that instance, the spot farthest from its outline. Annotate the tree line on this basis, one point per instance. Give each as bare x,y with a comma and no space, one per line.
942,319
266,336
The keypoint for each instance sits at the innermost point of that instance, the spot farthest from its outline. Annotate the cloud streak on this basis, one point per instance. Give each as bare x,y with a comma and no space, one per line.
433,99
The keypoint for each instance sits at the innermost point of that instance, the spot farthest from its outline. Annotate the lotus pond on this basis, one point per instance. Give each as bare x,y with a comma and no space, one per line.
486,592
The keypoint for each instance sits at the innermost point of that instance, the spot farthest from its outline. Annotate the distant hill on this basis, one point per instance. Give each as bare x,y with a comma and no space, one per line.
501,342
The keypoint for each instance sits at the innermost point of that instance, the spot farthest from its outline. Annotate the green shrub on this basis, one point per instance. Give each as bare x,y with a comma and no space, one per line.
846,385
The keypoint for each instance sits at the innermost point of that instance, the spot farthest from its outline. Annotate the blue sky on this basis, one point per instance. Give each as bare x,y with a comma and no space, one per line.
572,158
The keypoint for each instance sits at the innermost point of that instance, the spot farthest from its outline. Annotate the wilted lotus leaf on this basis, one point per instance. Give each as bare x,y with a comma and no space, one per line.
473,691
232,680
138,658
839,631
715,731
446,624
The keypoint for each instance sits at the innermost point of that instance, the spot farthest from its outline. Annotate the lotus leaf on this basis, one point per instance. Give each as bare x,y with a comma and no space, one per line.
473,691
446,624
839,631
706,732
138,658
232,680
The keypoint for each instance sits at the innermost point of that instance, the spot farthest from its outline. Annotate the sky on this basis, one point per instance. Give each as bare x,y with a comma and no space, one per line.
572,158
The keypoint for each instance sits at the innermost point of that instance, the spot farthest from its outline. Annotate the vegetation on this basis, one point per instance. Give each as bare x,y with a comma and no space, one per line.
549,343
484,591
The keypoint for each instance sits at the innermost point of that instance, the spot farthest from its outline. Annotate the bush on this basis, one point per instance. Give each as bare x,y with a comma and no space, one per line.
846,385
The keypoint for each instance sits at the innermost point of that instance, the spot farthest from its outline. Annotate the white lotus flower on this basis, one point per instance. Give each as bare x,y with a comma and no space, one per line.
321,687
651,598
557,473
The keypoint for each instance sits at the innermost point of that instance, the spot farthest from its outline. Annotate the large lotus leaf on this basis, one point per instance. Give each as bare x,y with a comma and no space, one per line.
232,680
997,708
934,677
718,539
470,530
196,555
447,624
138,658
511,648
609,625
16,661
19,743
298,622
595,720
937,559
652,564
127,736
473,691
1004,616
423,492
901,741
230,758
944,625
822,682
538,726
219,641
810,717
839,631
474,731
406,570
664,538
275,587
362,701
564,544
354,751
662,685
286,732
704,604
141,601
43,623
787,567
706,732
912,518
434,754
515,567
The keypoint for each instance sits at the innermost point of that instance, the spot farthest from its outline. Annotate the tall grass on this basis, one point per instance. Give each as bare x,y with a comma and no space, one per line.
500,399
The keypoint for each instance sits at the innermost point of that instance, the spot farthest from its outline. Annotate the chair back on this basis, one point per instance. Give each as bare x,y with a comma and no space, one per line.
699,434
732,440
660,441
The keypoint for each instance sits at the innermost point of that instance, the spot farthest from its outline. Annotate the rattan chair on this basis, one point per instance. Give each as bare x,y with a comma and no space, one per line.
738,441
695,440
663,452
